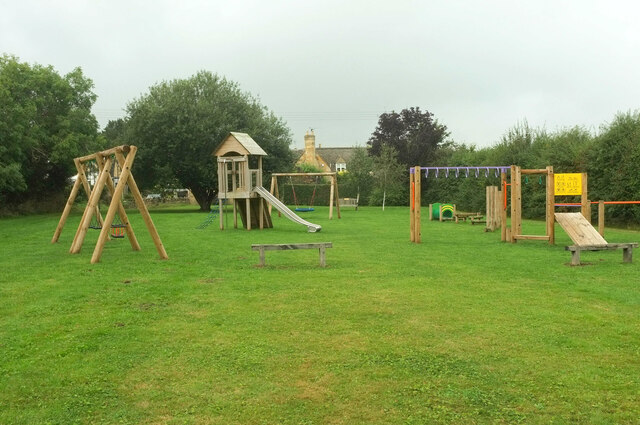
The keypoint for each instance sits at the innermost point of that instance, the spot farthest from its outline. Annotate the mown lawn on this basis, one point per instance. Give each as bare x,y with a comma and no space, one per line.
459,329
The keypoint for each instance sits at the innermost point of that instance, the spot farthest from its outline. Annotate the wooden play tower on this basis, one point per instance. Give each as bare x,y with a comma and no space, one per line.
237,180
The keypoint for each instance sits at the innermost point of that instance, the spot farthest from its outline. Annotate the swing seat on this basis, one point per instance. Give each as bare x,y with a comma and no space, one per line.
301,209
118,231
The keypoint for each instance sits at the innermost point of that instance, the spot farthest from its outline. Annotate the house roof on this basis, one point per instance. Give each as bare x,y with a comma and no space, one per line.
240,143
331,155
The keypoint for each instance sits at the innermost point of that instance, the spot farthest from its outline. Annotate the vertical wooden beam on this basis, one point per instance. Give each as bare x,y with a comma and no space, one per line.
247,174
261,212
323,256
221,212
235,213
516,202
331,193
551,202
503,207
430,212
337,199
488,204
418,206
235,176
259,177
127,179
601,217
585,205
248,212
412,207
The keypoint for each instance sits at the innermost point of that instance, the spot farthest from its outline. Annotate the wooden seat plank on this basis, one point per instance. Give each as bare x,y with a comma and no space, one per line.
579,229
586,238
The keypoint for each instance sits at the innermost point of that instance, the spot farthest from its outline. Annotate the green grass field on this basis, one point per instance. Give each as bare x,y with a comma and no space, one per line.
459,329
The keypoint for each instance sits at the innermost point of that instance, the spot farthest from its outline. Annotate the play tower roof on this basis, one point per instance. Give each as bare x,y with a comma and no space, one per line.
240,143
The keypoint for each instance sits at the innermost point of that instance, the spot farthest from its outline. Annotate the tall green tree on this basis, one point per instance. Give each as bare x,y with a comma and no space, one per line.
178,124
46,122
414,134
357,180
389,177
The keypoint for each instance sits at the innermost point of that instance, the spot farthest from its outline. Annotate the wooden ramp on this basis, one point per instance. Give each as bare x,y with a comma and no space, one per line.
579,229
586,238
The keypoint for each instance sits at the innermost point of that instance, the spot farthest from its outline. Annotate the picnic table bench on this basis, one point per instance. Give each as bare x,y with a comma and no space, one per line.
464,215
320,246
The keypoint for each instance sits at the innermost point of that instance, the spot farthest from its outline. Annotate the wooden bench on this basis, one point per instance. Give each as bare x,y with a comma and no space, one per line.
586,238
348,202
627,250
320,246
463,216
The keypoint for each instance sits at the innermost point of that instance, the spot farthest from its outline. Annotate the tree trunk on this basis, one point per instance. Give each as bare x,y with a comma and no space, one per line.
204,198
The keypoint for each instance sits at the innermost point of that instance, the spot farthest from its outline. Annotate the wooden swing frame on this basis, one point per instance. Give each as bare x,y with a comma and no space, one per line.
333,193
123,156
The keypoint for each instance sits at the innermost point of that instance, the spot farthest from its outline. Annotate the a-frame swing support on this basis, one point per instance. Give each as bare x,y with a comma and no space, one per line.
333,191
105,159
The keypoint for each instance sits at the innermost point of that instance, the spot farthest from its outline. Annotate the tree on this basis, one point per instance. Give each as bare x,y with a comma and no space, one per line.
358,175
614,174
179,123
46,122
389,175
414,134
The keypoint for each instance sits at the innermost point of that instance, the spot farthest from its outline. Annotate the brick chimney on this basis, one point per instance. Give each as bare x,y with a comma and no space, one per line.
310,146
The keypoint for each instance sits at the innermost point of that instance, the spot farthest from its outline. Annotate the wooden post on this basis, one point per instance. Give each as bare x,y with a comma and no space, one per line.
551,202
503,207
331,198
113,207
418,204
492,208
337,199
488,207
412,205
137,196
222,188
85,182
221,212
323,256
67,209
235,213
121,211
91,208
273,190
516,202
430,212
261,212
585,207
601,217
248,212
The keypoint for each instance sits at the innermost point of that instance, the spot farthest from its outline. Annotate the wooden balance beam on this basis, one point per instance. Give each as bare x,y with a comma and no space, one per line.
586,238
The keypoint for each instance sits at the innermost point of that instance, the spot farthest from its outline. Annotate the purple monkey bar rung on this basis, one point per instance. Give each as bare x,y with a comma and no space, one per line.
476,170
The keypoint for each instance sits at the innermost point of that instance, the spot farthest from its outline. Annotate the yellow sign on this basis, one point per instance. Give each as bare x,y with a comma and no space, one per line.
568,184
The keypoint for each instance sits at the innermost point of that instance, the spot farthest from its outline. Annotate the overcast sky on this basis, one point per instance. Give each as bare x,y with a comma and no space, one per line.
479,66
